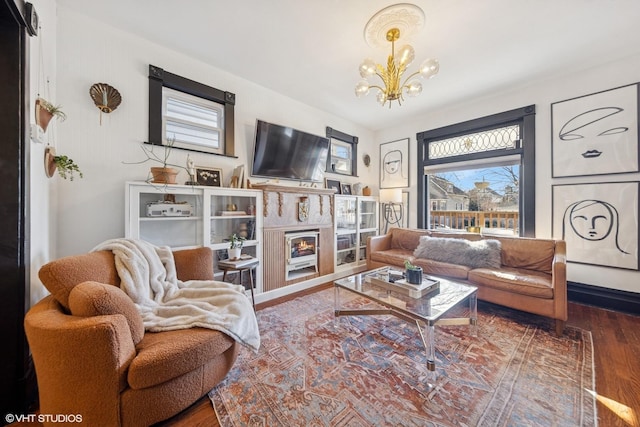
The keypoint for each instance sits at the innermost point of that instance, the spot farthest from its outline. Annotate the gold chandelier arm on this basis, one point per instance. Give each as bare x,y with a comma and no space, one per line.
409,78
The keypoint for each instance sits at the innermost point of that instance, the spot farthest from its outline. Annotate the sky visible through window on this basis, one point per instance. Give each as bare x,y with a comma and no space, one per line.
498,177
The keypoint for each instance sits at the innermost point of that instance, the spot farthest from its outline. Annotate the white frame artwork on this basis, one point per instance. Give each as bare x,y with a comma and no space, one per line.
596,134
599,222
394,164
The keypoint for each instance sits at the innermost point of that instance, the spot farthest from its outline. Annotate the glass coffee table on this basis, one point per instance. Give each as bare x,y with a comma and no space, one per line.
426,311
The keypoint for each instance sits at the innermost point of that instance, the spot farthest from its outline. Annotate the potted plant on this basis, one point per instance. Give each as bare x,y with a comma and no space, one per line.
165,174
65,166
45,111
235,246
413,273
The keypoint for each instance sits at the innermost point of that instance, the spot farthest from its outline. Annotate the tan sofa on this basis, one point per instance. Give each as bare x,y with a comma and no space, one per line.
531,275
94,359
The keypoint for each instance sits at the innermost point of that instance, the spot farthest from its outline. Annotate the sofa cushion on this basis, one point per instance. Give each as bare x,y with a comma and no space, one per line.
404,238
439,268
478,254
98,299
62,275
514,280
392,256
163,356
528,253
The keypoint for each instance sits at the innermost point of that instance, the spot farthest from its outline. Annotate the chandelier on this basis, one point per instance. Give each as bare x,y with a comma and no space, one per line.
388,24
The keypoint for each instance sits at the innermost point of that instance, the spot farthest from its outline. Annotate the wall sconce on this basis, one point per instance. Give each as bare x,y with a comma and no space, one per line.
391,200
106,97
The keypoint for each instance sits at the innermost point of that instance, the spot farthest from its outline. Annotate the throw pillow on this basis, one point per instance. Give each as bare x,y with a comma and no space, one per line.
97,299
474,254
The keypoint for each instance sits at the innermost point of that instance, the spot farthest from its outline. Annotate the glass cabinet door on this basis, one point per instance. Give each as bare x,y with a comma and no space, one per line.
345,213
368,214
231,214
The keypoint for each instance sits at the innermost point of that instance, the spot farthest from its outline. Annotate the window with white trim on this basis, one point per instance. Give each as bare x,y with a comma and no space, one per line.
191,120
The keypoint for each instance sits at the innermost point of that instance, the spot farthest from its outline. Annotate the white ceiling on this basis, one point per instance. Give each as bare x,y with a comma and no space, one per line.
310,50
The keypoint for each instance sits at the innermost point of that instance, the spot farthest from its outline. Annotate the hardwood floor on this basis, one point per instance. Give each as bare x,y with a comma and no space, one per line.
616,340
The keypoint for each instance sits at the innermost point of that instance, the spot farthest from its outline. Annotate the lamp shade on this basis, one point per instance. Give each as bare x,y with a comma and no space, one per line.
391,195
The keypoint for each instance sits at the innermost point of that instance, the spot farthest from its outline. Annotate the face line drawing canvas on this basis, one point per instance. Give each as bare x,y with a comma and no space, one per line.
596,134
394,164
599,222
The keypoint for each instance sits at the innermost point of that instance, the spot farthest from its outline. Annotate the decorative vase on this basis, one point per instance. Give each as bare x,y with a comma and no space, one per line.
234,253
164,175
366,191
414,275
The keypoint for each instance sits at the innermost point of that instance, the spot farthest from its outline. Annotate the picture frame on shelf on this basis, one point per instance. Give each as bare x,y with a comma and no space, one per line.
596,134
394,164
333,184
598,222
237,178
209,176
345,189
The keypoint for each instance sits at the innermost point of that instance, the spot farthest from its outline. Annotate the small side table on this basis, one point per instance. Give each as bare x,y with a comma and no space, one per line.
239,266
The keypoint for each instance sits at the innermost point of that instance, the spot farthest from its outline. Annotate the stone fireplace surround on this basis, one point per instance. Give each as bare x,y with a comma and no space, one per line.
288,209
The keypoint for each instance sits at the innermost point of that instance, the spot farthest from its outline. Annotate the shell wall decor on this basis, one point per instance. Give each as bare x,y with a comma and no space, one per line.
106,97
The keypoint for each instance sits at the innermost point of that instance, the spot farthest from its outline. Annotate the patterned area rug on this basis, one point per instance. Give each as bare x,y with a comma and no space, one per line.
313,370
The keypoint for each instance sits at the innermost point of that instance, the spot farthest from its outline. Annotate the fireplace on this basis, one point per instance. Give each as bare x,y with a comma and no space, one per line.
302,253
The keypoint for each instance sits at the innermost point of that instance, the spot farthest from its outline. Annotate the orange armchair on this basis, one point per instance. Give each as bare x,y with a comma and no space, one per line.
94,359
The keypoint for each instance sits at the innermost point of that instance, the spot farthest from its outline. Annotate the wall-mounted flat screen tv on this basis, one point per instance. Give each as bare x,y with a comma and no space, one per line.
287,153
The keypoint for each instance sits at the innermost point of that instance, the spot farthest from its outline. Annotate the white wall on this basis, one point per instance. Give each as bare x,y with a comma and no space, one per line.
42,57
91,210
574,83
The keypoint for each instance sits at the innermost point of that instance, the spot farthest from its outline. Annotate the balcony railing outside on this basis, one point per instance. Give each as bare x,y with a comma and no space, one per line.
502,221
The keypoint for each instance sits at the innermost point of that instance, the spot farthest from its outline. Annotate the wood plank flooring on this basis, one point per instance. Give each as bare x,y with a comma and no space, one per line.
616,341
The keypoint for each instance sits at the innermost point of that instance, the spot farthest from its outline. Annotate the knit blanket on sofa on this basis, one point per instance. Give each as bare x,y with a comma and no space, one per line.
148,275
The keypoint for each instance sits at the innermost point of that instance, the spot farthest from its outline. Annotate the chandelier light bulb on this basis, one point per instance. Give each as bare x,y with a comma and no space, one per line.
367,68
429,68
362,88
414,88
382,97
405,56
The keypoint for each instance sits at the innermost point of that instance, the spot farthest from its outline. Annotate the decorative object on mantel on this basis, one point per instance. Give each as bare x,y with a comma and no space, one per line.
45,111
106,97
303,209
366,191
65,166
389,24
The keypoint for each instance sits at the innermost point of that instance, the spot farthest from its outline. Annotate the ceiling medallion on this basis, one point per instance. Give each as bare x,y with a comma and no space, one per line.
407,18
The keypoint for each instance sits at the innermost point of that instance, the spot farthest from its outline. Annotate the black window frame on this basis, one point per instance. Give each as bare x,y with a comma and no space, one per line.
159,78
349,139
525,117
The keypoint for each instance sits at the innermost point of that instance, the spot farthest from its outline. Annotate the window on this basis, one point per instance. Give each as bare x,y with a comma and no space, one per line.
486,166
191,121
342,153
189,114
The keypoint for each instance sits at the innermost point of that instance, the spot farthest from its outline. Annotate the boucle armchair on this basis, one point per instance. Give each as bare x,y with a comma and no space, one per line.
94,359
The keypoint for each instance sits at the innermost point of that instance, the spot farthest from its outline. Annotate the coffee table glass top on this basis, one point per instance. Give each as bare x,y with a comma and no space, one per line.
428,308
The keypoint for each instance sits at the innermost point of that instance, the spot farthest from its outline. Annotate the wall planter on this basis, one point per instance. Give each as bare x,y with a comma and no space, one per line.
45,111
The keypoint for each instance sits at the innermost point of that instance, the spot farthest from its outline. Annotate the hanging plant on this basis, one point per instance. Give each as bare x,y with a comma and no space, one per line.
65,166
45,111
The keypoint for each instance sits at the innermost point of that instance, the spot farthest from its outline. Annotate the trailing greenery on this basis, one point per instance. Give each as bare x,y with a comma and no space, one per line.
67,167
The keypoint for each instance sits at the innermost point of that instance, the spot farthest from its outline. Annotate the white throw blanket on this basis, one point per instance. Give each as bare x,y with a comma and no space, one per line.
148,275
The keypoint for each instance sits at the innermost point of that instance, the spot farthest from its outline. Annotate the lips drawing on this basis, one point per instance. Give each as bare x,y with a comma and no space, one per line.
591,154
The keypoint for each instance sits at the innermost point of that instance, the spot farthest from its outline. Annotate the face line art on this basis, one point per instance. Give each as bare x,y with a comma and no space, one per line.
584,204
568,134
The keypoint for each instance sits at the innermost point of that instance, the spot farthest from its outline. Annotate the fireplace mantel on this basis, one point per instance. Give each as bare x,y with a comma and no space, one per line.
291,189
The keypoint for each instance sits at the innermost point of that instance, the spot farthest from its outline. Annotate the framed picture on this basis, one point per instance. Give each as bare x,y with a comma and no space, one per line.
404,223
394,164
345,189
334,184
596,134
237,178
599,222
209,176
